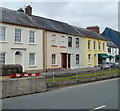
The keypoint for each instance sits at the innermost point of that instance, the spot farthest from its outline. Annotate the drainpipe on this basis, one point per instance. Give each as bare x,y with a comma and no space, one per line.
44,51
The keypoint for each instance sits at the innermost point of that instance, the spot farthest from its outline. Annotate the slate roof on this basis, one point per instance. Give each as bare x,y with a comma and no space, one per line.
20,18
89,33
110,43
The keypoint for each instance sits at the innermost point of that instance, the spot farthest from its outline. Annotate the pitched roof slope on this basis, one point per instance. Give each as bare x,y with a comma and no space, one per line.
110,43
20,18
89,33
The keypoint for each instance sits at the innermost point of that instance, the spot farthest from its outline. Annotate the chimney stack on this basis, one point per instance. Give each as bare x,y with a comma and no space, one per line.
28,10
94,28
20,10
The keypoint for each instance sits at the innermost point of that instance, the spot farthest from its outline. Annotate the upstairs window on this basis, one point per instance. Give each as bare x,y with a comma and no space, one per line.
77,42
94,44
69,41
103,46
54,40
32,37
2,58
77,58
99,45
18,35
3,34
89,44
62,40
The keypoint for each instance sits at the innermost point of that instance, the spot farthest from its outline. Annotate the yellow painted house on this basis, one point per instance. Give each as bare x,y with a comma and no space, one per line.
94,47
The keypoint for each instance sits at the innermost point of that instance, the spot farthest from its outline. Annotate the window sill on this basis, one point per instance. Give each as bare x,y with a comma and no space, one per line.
32,43
32,66
54,65
53,45
18,43
62,46
3,41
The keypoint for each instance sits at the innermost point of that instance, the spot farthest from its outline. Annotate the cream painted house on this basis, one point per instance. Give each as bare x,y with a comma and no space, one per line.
21,42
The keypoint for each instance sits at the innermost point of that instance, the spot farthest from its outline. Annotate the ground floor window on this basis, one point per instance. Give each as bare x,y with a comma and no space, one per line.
2,58
32,59
89,58
54,59
77,58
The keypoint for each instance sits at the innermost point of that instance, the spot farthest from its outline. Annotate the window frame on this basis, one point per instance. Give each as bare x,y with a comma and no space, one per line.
34,37
31,60
5,34
77,59
94,45
89,58
89,44
4,61
99,45
70,42
53,39
77,42
53,59
63,41
18,36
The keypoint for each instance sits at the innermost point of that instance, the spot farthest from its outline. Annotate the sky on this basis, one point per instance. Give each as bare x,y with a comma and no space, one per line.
78,13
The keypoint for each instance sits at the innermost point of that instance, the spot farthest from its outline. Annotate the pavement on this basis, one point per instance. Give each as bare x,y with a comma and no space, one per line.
70,71
91,96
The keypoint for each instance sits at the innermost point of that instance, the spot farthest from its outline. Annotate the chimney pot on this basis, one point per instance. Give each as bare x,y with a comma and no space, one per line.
94,28
28,10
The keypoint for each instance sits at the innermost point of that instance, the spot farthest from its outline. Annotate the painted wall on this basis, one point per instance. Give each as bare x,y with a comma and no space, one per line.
114,52
58,50
10,47
93,52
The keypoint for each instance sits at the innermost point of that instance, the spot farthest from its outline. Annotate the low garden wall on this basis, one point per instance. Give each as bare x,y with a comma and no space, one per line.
22,86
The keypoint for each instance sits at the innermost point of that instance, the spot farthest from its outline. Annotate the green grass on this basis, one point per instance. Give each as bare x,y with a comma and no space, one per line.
82,76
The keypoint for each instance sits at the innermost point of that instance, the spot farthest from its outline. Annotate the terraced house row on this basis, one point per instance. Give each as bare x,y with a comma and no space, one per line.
39,43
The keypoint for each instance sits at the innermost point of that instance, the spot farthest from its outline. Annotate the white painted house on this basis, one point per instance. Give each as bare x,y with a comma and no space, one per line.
20,41
112,51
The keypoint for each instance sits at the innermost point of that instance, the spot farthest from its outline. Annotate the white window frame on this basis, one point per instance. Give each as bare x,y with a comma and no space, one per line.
4,58
32,37
20,35
5,34
70,41
94,45
89,59
55,62
89,44
34,59
63,42
77,42
77,61
99,45
103,45
54,39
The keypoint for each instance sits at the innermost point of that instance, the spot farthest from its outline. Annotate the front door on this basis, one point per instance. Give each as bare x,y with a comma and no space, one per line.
69,60
64,60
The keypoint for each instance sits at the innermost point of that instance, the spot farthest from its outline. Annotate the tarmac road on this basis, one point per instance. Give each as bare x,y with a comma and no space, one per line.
91,96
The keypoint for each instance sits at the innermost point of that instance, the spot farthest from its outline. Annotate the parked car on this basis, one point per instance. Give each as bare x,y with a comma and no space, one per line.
112,65
105,66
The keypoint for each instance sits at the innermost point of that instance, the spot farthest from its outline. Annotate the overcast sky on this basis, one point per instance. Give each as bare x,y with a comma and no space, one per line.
82,14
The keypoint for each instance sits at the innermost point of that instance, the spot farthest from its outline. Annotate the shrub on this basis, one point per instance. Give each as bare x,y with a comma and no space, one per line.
6,70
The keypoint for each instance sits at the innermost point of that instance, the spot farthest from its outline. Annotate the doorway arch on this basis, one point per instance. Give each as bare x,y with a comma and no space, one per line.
18,57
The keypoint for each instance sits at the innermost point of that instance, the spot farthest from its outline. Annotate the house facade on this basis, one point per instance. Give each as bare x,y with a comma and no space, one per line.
115,37
94,47
21,42
63,51
112,51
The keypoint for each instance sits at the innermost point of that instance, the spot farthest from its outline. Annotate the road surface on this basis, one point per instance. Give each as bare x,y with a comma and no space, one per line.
91,96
